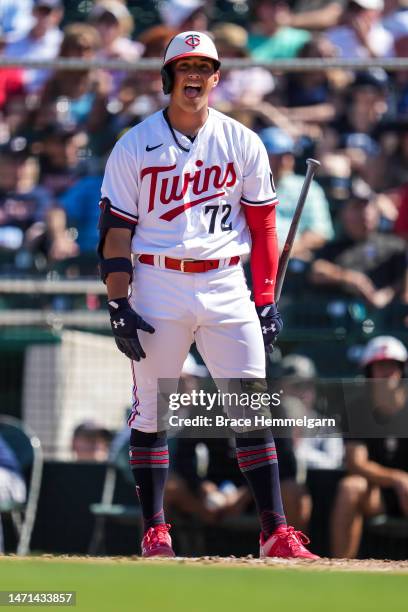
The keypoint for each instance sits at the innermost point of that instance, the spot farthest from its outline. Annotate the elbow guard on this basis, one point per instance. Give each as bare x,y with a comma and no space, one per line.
112,217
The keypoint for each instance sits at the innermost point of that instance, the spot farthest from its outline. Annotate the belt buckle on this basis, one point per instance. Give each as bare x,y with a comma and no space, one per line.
182,262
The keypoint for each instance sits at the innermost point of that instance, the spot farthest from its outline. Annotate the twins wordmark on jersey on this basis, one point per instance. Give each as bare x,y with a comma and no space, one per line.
186,196
169,188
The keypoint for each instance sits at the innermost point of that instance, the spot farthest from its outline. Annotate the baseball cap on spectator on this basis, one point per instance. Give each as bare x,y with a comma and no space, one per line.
298,366
384,348
115,8
92,428
360,191
156,39
59,131
361,141
230,37
373,5
376,78
174,12
277,141
16,148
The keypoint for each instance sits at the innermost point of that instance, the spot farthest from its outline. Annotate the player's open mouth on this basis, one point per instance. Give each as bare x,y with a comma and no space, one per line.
192,91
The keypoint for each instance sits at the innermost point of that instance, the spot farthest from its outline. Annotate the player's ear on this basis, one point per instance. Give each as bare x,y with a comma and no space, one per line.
216,78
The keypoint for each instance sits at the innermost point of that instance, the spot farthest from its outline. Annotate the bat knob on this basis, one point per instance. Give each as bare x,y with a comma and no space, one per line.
312,162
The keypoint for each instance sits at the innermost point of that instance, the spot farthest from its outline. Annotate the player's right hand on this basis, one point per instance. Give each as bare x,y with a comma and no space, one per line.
126,323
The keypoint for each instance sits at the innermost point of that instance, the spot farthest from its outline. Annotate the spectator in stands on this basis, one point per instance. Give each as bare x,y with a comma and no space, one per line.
310,96
42,42
355,130
400,78
377,480
206,481
315,226
12,485
115,25
298,380
231,41
22,204
82,94
401,224
91,442
15,18
361,33
364,105
395,18
28,218
396,172
11,79
59,158
316,14
184,15
361,261
270,37
79,209
141,93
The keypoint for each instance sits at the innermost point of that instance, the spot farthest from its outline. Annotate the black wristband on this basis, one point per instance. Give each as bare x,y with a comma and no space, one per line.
115,264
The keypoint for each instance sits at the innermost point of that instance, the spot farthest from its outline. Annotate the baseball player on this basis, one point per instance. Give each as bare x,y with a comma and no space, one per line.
186,194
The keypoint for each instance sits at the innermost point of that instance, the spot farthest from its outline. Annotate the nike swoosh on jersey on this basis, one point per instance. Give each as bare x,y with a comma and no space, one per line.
148,148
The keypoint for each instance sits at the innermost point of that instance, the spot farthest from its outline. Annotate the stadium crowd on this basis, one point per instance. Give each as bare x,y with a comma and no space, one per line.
58,127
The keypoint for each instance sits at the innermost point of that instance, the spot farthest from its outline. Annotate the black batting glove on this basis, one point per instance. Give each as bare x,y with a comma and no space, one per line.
271,324
126,323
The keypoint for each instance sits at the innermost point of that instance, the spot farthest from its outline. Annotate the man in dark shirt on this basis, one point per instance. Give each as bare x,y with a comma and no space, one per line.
378,467
20,208
361,261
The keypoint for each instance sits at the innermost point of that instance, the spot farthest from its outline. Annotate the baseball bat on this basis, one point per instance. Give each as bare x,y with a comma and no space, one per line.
312,165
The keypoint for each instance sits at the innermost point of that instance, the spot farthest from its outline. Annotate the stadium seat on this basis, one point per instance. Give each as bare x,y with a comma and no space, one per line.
386,537
27,448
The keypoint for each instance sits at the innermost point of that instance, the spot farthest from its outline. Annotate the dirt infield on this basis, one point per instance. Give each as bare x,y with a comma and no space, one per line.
349,565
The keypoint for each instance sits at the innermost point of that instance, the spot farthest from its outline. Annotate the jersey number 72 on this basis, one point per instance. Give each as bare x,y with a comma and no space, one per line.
214,210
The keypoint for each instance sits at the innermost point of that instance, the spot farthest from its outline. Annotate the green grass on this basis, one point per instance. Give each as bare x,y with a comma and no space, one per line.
139,587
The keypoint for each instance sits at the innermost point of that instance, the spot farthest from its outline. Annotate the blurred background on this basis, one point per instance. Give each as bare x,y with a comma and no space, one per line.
61,375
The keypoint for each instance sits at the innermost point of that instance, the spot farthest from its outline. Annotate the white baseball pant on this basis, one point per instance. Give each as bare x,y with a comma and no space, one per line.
213,308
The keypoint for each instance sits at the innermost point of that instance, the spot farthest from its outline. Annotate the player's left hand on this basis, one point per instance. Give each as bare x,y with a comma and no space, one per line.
271,324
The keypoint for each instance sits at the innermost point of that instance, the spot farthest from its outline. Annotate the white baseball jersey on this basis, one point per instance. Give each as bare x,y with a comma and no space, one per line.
186,196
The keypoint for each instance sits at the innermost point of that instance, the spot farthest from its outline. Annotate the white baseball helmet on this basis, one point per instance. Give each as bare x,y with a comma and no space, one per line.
187,44
384,348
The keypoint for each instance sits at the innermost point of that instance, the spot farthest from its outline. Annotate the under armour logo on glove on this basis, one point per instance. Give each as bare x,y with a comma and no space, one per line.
271,324
117,323
126,328
265,330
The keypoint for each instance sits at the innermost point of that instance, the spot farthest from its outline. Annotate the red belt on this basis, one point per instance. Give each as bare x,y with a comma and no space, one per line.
189,265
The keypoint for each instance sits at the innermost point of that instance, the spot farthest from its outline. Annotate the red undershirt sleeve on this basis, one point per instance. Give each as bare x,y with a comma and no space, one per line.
261,221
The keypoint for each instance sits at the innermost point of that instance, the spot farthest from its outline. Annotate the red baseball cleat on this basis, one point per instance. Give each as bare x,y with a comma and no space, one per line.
157,542
286,543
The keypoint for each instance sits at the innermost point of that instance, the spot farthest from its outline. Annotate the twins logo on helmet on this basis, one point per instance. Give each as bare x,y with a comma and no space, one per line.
193,40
